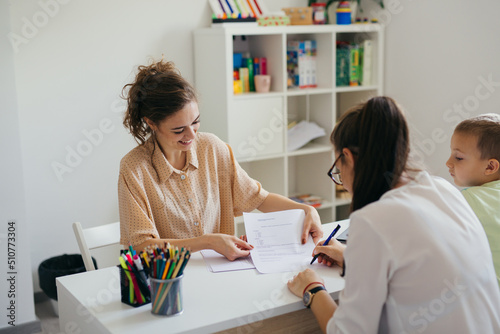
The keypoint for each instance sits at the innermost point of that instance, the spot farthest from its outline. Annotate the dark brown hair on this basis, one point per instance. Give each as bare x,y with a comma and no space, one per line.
158,92
486,128
377,134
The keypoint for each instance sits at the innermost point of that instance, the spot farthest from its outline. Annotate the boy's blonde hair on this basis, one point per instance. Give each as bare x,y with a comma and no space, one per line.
486,128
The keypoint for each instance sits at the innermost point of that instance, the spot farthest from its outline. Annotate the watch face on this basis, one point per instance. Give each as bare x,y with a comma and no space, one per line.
307,298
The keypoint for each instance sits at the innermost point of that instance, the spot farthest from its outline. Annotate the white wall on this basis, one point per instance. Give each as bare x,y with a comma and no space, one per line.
69,74
12,196
70,71
438,56
72,58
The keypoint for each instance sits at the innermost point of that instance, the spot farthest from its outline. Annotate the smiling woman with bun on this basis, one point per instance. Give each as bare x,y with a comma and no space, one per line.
180,185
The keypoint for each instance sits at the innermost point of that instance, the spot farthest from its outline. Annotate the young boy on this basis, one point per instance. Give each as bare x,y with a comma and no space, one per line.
475,164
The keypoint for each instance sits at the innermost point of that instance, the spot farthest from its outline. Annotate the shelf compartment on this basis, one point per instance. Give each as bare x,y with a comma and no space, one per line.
376,68
265,136
324,56
263,171
313,108
268,46
308,175
311,148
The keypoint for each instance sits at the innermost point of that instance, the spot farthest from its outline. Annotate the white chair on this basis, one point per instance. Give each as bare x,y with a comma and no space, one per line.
95,237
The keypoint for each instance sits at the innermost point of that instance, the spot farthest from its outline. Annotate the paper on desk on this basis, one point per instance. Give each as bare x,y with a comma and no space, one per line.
302,134
217,263
276,240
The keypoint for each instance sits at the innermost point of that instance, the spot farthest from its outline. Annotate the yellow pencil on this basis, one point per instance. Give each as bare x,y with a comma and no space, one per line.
179,264
145,257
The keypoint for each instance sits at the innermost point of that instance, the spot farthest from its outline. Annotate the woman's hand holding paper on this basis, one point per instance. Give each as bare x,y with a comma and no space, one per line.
312,225
228,245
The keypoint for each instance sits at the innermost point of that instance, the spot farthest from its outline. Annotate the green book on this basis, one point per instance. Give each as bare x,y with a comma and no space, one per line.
245,84
354,67
342,77
250,74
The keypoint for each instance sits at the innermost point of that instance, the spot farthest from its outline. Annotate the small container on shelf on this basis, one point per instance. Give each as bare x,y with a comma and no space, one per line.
319,10
299,15
262,83
344,13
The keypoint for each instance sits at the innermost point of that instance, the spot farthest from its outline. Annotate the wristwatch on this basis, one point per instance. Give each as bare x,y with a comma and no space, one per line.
308,295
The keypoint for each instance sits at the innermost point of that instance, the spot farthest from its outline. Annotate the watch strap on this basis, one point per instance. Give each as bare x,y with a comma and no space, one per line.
316,289
312,292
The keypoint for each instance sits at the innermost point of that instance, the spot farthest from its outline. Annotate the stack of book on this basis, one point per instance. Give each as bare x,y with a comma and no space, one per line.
301,64
354,63
244,70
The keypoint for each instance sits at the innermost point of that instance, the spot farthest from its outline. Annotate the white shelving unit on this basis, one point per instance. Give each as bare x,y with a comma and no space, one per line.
255,124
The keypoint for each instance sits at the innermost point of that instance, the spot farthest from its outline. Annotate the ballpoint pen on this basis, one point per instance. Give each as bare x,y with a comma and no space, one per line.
327,241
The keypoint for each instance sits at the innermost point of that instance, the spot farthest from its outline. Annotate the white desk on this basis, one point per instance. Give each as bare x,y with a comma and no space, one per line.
90,302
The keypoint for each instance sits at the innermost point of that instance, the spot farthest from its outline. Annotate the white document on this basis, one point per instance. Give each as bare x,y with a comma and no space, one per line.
276,240
367,62
303,133
217,263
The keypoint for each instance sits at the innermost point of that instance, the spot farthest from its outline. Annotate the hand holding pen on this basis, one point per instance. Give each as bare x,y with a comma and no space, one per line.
333,253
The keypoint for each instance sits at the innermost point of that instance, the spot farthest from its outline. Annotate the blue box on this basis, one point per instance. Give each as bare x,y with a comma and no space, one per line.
237,60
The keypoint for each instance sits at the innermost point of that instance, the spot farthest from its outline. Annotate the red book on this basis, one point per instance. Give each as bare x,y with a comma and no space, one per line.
263,65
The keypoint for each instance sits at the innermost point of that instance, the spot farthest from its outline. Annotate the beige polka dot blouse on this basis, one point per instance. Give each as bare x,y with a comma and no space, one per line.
158,201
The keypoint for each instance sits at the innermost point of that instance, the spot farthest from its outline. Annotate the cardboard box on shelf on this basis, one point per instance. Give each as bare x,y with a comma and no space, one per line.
299,15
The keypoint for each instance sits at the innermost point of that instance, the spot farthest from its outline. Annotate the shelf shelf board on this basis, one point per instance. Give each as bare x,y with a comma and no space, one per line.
292,29
255,95
325,205
308,91
362,27
347,89
311,148
260,157
342,201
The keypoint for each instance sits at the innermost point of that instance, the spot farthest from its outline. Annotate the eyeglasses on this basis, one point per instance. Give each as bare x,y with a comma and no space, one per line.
334,172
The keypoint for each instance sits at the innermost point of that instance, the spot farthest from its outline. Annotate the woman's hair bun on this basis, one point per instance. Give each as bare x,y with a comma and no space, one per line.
158,91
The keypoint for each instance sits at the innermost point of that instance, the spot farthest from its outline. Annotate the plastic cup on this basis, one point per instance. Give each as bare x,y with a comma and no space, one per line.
262,83
166,296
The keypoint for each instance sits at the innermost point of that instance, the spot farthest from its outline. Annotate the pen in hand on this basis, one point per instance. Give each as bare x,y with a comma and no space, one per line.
327,241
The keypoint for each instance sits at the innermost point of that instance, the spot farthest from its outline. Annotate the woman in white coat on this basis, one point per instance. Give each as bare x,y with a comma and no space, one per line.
417,259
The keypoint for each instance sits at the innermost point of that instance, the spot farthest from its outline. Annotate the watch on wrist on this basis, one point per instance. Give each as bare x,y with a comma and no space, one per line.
309,295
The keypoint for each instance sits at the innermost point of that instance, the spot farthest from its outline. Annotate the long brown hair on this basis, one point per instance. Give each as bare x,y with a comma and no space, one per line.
157,92
377,134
